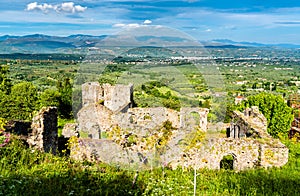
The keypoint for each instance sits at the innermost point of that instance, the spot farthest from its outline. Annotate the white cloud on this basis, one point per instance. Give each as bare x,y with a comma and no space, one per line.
147,22
42,7
131,25
119,25
68,7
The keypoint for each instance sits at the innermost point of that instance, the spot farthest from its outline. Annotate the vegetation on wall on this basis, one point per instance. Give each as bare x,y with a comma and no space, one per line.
274,108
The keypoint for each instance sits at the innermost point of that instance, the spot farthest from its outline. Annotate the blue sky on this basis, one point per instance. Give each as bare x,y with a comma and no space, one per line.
263,21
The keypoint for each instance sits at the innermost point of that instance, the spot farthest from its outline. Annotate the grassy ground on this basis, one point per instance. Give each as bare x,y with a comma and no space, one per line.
25,172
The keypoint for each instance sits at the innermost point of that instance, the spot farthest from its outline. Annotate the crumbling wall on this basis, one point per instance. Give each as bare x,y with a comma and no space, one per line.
143,120
91,93
191,117
104,150
250,123
117,97
94,119
273,155
249,143
44,130
246,153
69,130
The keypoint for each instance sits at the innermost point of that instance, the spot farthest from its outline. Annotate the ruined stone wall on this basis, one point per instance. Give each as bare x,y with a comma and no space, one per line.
247,153
104,150
69,130
143,120
44,130
250,123
117,97
91,93
191,117
93,119
273,155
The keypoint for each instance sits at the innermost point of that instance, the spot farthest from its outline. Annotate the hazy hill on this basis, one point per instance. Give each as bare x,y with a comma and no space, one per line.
39,43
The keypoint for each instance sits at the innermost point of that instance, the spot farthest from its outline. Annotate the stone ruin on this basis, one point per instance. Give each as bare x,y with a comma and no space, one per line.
44,136
106,107
41,133
247,142
251,123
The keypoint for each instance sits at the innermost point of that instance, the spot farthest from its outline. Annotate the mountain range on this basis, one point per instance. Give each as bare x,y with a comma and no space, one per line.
39,43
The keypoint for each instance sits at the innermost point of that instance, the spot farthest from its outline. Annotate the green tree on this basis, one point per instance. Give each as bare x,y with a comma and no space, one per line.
274,108
106,80
20,103
5,82
65,102
50,97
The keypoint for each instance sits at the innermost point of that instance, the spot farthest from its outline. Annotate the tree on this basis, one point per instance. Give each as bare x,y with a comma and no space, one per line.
274,108
106,80
50,97
65,102
5,82
20,103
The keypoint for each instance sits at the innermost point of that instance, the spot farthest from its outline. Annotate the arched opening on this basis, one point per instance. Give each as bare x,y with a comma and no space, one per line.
193,118
227,162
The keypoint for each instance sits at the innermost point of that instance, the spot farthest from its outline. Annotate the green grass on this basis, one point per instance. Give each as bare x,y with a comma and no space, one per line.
27,172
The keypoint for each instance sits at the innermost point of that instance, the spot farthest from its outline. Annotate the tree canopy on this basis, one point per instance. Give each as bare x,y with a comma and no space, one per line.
20,103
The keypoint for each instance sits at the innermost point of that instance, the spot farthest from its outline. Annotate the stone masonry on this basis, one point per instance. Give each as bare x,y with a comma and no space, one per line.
247,142
106,106
44,130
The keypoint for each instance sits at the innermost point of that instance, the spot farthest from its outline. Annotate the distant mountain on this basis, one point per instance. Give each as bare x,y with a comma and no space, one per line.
40,43
224,46
252,44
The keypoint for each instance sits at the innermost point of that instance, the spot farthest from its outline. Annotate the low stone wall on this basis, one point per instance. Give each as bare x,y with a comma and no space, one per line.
246,153
273,156
103,150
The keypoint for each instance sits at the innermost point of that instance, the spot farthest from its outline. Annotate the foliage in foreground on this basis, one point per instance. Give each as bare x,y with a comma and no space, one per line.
27,172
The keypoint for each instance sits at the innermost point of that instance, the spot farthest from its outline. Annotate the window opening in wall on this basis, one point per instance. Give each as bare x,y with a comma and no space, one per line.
227,162
194,118
236,131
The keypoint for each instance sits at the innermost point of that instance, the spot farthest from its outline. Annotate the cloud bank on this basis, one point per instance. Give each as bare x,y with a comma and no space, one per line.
67,7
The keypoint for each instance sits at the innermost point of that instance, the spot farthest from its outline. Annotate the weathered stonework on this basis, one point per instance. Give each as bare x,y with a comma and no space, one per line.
250,123
108,106
114,98
247,153
44,130
69,130
248,142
